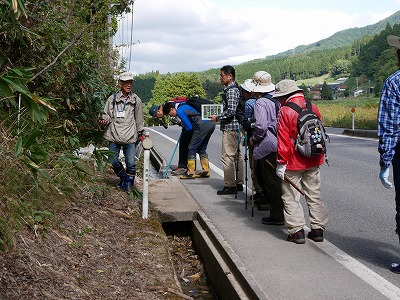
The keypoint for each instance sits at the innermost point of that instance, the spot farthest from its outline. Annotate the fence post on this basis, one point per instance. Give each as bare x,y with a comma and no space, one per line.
147,145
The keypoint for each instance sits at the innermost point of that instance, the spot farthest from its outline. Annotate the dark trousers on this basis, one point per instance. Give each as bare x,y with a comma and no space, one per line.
186,137
272,183
396,181
200,139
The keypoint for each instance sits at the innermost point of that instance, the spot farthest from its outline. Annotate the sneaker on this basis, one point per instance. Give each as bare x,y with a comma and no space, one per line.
395,268
317,235
271,221
178,171
227,191
297,237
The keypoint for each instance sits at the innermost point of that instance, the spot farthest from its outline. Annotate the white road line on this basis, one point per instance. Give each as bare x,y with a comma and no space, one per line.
376,281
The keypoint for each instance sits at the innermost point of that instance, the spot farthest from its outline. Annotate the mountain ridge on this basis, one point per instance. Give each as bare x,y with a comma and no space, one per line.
342,38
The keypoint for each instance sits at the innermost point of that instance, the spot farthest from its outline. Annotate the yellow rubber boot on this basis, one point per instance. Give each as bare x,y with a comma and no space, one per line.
205,168
191,171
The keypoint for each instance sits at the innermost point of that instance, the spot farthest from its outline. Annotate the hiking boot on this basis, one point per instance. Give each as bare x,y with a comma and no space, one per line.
297,237
271,221
239,187
129,183
395,268
317,235
257,197
227,191
178,171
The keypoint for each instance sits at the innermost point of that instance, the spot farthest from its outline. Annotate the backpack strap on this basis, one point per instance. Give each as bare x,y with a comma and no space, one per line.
294,106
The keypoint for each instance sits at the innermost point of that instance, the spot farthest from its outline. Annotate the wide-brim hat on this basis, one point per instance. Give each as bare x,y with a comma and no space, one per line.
262,82
153,111
393,41
286,87
126,76
247,85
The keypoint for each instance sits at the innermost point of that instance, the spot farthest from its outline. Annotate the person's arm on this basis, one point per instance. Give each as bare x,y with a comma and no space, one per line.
232,101
388,123
181,113
139,118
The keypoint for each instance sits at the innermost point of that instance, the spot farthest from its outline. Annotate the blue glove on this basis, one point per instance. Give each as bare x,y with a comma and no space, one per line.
384,177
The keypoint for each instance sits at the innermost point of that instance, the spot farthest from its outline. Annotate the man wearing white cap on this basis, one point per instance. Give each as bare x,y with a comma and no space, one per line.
389,134
123,116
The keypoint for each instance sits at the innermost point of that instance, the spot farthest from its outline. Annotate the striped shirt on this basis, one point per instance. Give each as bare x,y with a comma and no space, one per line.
389,119
265,131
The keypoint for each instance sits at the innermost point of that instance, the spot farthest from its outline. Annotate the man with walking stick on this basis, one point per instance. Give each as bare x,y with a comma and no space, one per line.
156,111
300,169
265,142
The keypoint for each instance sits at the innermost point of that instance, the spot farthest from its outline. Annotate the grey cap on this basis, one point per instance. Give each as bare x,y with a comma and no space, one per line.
126,76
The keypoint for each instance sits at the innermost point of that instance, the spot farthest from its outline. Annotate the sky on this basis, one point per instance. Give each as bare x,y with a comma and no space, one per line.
197,35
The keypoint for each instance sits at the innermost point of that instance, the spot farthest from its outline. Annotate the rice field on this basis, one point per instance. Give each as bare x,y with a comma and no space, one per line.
337,113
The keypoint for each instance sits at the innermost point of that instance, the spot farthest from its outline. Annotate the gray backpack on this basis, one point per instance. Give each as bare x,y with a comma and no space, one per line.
311,138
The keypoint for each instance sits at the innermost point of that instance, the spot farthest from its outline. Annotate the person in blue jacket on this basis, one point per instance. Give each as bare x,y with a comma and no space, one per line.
202,131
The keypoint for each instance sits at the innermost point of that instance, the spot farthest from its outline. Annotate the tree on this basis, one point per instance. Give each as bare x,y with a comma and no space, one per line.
173,85
326,92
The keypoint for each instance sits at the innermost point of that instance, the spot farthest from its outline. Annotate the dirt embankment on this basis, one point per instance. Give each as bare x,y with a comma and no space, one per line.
93,249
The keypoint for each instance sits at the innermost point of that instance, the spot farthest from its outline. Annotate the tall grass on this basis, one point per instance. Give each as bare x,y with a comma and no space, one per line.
337,113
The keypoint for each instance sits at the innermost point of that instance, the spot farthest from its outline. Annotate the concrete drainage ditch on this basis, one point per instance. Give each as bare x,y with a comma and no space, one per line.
228,278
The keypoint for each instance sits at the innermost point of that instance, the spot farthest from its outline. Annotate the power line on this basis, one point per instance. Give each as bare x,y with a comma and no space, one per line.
131,44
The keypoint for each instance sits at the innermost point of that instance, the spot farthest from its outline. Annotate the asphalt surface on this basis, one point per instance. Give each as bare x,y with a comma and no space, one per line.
284,270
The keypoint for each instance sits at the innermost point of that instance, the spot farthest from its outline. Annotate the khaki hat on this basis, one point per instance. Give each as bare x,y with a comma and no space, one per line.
247,85
126,76
262,82
286,87
393,41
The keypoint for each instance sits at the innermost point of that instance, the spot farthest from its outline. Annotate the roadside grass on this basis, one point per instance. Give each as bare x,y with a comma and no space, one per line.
337,113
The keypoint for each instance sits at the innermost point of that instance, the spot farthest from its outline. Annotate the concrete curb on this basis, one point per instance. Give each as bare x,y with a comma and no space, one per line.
361,133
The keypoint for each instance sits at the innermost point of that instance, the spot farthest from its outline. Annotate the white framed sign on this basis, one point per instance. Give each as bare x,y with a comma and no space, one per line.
210,110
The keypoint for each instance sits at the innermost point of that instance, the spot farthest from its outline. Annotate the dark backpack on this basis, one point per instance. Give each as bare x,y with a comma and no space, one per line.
311,138
196,102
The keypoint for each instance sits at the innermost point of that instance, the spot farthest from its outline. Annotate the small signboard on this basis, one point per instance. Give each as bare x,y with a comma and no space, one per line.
210,110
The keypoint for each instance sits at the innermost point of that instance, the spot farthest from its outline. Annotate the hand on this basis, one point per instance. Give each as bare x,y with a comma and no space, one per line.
103,122
142,135
280,171
213,118
246,124
384,177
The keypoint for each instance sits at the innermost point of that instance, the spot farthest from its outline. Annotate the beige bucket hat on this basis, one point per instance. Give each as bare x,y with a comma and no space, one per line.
262,82
286,87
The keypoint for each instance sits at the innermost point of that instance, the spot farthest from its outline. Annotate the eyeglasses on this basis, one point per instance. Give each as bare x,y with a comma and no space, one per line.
222,75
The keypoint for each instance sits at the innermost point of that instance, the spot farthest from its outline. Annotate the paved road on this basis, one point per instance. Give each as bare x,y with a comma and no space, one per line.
353,261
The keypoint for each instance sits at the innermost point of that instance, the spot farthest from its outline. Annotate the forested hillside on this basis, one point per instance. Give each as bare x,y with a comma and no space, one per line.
345,37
